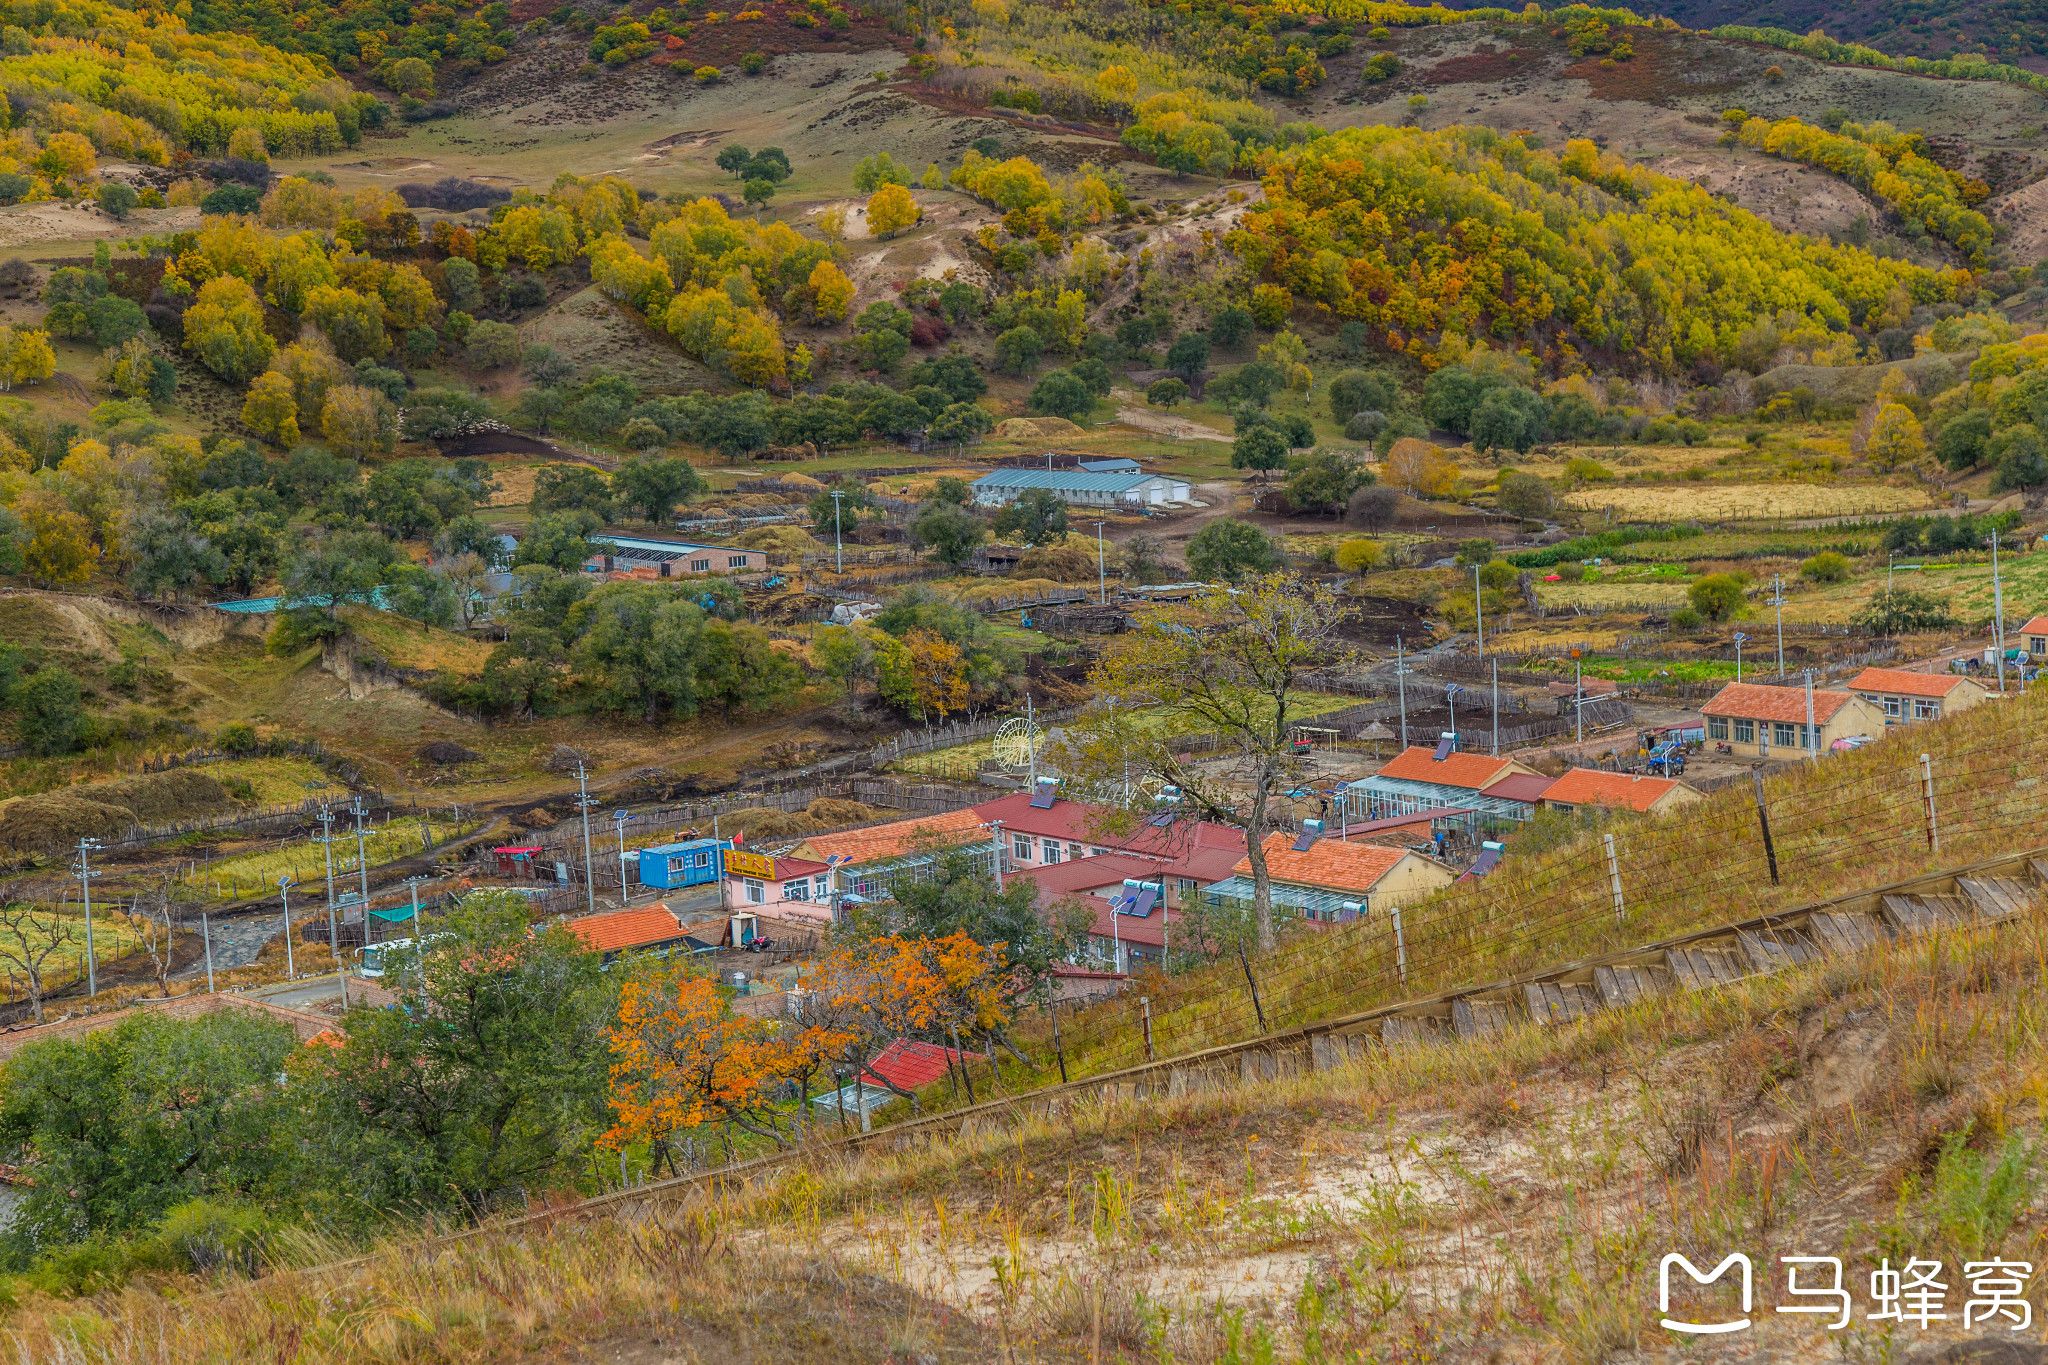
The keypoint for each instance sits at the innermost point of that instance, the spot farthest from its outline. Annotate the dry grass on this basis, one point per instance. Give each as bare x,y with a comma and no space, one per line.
1746,501
252,874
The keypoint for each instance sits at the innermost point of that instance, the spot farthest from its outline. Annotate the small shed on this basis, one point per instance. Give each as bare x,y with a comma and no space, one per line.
516,860
692,862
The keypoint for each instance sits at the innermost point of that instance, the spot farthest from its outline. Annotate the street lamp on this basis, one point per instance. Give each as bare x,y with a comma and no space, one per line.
1451,691
838,553
1777,599
584,801
1101,568
619,818
1740,641
1997,612
284,894
1478,612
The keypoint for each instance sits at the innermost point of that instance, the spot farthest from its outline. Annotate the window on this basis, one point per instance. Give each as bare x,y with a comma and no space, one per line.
757,893
821,885
735,561
700,860
1717,728
1097,852
1188,887
1052,851
1745,731
1926,708
1020,844
1074,850
1892,707
2037,644
700,566
798,890
1782,732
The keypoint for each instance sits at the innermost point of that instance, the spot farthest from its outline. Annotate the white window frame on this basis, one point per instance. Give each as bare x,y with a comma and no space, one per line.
757,891
1926,708
735,561
1020,846
1052,852
1745,731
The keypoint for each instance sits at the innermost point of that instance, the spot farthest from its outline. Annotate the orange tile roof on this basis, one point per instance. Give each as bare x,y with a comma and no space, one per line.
616,929
1327,862
893,839
1754,701
2037,626
1417,764
1905,683
1591,787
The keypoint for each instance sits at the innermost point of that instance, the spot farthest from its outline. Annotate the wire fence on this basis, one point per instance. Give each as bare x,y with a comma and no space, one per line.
1850,820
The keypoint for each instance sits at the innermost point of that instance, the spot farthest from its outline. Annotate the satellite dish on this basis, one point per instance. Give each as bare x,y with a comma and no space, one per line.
1014,743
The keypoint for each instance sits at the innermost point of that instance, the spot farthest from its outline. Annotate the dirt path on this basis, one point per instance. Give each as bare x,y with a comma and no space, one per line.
1131,413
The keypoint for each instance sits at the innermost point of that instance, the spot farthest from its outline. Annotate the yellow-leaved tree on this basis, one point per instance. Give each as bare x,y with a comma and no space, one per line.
224,327
25,356
357,422
831,292
1896,439
271,411
890,210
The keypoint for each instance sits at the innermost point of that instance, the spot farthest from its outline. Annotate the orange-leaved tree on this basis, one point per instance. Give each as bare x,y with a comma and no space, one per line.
681,1058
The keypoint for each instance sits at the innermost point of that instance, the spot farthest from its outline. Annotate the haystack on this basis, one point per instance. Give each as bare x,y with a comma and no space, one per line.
1038,429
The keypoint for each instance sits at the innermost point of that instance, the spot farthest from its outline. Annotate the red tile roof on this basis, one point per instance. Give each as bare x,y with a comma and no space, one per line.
1527,787
1086,874
2037,626
1472,771
1145,931
1199,849
1326,863
1592,787
1755,701
896,838
786,868
910,1065
637,928
1905,683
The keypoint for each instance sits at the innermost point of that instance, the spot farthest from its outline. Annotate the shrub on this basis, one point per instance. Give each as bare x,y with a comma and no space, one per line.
1825,567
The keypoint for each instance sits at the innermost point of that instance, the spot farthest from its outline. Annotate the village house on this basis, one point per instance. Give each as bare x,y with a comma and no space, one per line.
800,888
1327,881
866,863
1618,791
641,929
1497,790
1906,696
2034,639
1771,722
1044,830
1081,488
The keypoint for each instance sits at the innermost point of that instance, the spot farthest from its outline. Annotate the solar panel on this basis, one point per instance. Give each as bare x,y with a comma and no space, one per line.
1162,820
1486,861
1142,906
1304,840
1443,747
1043,798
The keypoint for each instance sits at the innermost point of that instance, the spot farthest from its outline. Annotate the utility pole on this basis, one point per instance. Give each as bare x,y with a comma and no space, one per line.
284,894
414,884
1479,611
1579,693
1401,688
326,841
997,826
1997,612
85,875
839,554
1031,745
1812,733
620,817
1777,600
362,867
1496,708
1101,569
206,940
583,804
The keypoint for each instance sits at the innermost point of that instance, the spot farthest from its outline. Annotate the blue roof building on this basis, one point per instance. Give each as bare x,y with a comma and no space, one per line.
693,862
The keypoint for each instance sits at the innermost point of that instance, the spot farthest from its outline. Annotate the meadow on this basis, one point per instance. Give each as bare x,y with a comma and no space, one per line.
1719,503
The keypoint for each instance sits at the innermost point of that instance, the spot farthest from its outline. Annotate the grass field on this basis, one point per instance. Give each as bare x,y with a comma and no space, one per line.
1613,596
112,937
252,874
1745,502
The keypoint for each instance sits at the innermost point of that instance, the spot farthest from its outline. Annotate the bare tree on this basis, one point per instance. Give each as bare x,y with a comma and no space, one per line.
1229,664
29,936
157,918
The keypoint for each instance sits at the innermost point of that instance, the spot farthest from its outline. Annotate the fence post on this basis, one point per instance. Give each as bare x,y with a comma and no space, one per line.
1613,875
1250,981
1763,819
1927,790
1145,1005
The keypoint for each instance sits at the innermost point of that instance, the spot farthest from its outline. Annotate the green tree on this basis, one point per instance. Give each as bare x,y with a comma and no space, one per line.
117,200
1166,393
1324,480
1037,517
341,571
1188,356
1061,393
486,1080
1509,418
654,485
1018,349
420,594
573,488
559,540
1226,550
1903,611
1258,447
738,669
169,558
949,531
1230,326
1962,440
638,649
1717,596
127,1124
1825,567
1450,396
1524,495
1357,391
733,158
48,718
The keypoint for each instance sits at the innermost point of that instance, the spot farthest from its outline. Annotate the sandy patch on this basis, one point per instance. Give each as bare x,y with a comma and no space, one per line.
1132,412
1748,502
55,221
